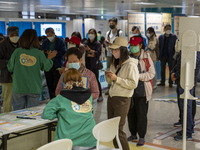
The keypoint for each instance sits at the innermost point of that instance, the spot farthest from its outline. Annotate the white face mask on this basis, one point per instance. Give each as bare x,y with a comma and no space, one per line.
168,32
51,38
71,45
91,36
14,39
148,35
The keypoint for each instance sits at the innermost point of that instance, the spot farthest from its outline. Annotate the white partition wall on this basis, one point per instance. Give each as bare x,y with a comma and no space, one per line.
154,20
136,19
122,24
77,25
69,28
103,26
89,23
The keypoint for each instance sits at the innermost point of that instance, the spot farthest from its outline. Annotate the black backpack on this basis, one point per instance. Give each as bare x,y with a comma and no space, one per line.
115,36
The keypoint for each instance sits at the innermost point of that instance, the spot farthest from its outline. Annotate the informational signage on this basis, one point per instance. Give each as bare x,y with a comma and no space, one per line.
176,24
136,19
57,28
154,20
166,19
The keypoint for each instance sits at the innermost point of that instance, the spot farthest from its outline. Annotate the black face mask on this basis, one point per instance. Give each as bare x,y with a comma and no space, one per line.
112,26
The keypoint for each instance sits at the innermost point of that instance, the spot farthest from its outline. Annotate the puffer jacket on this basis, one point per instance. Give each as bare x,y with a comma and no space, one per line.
148,72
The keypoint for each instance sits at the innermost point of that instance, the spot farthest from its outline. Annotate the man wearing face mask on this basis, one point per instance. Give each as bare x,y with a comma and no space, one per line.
111,35
7,47
167,43
53,43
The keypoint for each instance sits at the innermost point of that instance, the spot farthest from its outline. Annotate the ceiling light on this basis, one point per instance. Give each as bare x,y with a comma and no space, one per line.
143,3
4,2
179,6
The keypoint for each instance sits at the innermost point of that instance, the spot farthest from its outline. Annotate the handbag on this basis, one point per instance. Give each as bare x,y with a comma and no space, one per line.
99,65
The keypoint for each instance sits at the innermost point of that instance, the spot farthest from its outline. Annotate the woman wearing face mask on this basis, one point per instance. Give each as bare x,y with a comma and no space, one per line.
153,50
93,52
74,57
123,77
137,116
136,33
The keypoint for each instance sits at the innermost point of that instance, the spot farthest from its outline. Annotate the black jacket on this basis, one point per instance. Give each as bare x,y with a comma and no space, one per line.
6,50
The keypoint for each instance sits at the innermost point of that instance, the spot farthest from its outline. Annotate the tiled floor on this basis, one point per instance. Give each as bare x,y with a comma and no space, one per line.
161,116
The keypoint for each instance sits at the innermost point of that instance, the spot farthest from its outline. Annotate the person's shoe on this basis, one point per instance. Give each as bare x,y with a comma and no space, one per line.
100,99
170,85
140,142
180,138
177,124
161,84
132,138
179,133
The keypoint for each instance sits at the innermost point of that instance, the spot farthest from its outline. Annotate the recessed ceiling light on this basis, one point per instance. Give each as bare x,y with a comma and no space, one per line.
143,3
4,2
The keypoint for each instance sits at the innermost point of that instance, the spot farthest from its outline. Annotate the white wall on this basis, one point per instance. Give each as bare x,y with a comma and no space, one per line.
77,25
103,26
89,23
69,28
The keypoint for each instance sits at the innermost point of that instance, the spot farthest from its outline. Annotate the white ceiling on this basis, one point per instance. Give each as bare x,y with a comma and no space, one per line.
96,7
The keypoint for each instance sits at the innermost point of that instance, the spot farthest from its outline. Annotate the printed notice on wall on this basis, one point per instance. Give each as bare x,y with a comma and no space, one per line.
136,19
154,20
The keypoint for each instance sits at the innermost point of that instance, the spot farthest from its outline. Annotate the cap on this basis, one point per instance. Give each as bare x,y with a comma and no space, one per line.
75,40
13,30
118,42
135,40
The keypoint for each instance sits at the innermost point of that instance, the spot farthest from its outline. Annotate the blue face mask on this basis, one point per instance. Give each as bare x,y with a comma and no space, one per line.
74,65
136,34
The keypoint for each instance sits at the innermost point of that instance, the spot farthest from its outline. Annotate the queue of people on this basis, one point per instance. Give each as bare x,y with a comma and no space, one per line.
72,76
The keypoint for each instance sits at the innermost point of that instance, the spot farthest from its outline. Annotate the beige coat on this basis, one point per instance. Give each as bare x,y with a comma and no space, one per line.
153,48
127,79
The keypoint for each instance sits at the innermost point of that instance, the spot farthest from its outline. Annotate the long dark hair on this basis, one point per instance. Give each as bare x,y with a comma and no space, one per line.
151,30
95,32
29,39
124,55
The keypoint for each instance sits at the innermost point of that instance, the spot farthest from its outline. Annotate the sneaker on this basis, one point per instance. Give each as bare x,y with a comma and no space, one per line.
100,99
140,142
180,133
180,138
161,84
177,124
132,138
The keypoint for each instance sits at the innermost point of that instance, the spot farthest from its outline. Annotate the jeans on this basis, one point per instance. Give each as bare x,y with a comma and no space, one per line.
163,63
21,101
190,121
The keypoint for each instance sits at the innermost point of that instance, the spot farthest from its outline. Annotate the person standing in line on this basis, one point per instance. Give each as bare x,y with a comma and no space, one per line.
153,49
167,43
136,33
93,52
137,116
50,44
191,105
111,35
7,47
26,63
123,77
